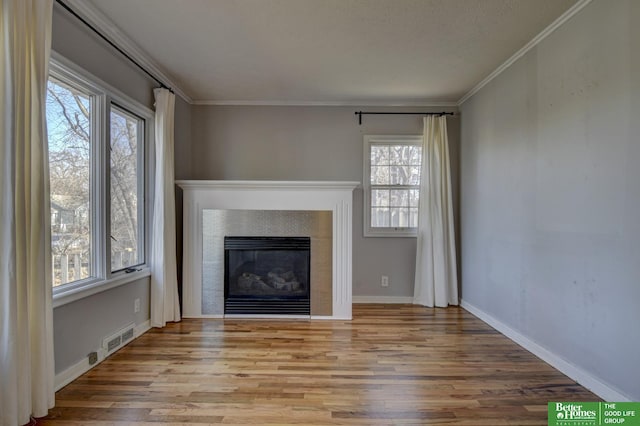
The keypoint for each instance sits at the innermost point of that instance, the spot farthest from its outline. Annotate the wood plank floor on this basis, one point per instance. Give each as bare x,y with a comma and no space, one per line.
391,365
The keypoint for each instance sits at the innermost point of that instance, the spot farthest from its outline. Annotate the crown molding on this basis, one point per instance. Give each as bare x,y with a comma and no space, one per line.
445,104
111,31
530,45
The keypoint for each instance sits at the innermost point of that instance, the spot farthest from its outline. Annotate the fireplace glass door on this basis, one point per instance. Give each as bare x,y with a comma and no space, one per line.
266,275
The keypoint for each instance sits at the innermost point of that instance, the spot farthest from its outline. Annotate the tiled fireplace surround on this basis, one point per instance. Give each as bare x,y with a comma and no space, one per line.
320,210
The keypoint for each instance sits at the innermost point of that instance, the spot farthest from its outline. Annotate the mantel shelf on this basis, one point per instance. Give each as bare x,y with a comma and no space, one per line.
266,185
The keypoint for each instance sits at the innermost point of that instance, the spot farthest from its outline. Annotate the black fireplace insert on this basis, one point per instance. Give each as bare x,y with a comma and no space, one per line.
267,275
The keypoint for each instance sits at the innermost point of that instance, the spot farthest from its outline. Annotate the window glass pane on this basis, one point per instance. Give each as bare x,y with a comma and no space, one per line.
380,198
415,157
414,175
380,175
413,217
400,175
414,197
400,217
379,155
125,178
399,198
404,217
401,154
379,217
69,130
404,155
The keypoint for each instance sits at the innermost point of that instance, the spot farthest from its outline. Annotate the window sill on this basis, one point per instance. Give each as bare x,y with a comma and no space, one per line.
63,297
391,233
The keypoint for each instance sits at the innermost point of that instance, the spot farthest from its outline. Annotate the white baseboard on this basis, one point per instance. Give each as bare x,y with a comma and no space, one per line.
585,378
382,299
67,376
142,328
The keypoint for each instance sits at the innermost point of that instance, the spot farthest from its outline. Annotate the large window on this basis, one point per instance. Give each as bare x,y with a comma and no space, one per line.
97,179
392,185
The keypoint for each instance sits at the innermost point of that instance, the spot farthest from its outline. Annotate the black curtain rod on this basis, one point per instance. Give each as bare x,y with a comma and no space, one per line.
112,44
361,113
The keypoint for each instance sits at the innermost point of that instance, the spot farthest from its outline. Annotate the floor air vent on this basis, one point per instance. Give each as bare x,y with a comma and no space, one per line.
114,343
118,339
127,335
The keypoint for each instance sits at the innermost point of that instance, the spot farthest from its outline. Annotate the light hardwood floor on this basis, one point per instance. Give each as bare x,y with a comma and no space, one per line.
393,364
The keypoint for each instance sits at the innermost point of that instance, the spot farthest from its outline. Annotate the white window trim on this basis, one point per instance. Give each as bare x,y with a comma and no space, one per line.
71,293
62,69
382,139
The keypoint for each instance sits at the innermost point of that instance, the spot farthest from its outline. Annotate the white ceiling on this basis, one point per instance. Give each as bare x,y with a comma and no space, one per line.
329,51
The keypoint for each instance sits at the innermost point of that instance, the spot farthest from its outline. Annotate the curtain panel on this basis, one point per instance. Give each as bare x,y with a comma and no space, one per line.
436,278
165,305
26,313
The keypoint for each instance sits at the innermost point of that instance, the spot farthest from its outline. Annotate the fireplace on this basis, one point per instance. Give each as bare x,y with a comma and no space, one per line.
254,202
267,275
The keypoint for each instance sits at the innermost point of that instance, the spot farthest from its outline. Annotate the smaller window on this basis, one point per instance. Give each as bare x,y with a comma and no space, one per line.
392,185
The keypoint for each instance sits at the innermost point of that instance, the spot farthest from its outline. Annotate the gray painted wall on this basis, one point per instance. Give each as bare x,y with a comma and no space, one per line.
80,326
551,197
311,143
80,45
182,143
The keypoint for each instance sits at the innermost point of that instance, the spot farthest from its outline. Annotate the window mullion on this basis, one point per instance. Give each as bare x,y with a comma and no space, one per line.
101,205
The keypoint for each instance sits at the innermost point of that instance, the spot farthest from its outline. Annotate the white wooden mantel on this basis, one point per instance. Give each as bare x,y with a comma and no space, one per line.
200,195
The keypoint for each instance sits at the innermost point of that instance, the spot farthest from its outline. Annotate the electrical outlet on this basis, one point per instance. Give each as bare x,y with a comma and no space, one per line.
385,281
93,358
136,306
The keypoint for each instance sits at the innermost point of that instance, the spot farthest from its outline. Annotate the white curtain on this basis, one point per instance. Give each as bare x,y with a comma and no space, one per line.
436,279
26,313
165,305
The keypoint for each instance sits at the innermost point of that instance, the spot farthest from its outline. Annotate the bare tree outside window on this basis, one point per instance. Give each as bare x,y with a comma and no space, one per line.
69,134
125,129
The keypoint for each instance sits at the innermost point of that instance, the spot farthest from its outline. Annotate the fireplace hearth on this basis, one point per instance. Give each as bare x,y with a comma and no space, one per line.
267,275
